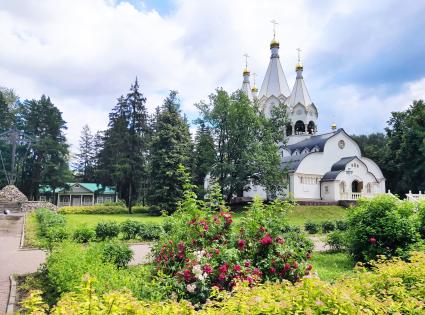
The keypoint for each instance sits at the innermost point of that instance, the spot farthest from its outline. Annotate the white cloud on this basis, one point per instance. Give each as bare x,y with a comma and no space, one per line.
85,54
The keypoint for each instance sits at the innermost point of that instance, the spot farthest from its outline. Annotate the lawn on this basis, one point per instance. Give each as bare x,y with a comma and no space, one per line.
331,265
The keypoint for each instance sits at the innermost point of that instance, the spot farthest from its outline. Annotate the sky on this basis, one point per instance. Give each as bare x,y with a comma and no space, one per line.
362,59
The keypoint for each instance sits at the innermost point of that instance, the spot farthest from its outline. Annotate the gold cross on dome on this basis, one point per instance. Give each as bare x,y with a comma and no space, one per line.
274,22
299,54
246,60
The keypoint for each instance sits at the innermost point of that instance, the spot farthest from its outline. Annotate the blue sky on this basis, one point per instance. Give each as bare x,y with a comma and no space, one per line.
362,59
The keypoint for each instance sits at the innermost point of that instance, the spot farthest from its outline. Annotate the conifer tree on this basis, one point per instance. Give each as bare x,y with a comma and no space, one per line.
84,162
171,147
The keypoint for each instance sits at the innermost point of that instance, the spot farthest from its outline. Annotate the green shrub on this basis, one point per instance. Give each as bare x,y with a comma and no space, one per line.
84,234
421,214
391,287
341,225
328,226
149,232
107,229
140,209
117,253
48,220
383,225
130,229
311,227
95,209
56,234
155,211
336,240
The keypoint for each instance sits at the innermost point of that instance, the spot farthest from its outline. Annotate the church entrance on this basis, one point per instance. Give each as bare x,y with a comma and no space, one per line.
356,186
299,127
311,128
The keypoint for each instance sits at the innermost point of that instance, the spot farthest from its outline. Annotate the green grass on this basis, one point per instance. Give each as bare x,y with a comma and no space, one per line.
332,265
316,214
75,220
31,227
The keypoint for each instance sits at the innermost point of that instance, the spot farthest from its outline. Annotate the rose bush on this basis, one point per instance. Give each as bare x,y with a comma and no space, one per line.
205,249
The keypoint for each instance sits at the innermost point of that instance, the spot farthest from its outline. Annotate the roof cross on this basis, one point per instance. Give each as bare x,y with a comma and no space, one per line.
274,22
246,60
299,54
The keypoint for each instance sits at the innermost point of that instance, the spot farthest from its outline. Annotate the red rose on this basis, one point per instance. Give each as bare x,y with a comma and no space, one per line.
241,244
266,240
186,275
237,268
221,277
223,268
308,255
208,269
247,263
257,272
295,264
272,270
309,267
372,240
286,267
249,280
217,251
262,229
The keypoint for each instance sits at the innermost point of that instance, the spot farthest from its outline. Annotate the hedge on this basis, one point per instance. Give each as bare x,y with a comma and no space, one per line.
95,209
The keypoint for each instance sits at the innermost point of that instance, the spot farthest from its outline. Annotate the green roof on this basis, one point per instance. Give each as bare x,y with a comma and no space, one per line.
92,187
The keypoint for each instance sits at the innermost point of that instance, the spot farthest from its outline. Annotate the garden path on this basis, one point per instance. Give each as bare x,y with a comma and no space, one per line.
12,258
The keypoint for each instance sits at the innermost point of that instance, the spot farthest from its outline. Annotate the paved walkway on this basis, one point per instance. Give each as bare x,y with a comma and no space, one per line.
12,259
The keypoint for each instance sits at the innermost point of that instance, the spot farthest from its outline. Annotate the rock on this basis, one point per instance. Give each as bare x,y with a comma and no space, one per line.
12,194
34,205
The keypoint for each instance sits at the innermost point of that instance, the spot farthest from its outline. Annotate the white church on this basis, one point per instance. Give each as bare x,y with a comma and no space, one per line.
327,166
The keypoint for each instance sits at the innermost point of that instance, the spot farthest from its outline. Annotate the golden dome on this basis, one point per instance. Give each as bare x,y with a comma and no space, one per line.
254,89
299,66
333,126
274,43
246,71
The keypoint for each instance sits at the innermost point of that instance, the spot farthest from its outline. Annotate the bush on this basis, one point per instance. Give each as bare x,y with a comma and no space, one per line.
84,234
341,225
311,227
130,229
149,232
107,229
155,211
328,226
336,240
117,253
56,234
48,220
111,208
140,209
383,225
392,287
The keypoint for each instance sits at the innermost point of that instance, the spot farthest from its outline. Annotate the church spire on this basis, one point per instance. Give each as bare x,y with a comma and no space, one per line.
274,83
246,85
299,94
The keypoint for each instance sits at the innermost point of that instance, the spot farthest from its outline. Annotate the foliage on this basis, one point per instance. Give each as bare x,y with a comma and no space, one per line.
95,209
140,209
245,143
341,225
336,240
421,214
202,249
391,287
85,159
149,232
328,226
122,158
84,234
130,229
48,220
107,229
311,227
383,225
171,147
117,253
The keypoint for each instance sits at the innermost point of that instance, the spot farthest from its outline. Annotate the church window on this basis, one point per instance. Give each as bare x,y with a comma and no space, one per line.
341,144
289,130
342,187
369,188
326,189
311,128
299,127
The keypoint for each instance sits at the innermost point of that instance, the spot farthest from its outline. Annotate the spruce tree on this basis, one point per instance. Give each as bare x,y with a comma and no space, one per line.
84,160
171,147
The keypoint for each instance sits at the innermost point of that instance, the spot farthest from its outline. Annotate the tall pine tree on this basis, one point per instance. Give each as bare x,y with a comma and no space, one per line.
85,158
122,161
171,147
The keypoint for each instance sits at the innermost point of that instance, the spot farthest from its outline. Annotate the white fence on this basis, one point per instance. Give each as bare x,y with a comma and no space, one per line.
415,197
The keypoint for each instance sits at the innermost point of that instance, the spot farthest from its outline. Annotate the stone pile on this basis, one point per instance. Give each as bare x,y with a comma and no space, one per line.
34,205
12,194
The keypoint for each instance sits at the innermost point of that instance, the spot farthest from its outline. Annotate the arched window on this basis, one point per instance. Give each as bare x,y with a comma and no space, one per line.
289,130
356,186
311,128
299,127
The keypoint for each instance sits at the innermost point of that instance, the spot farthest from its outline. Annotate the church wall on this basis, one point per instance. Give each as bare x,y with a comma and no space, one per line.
321,162
307,186
373,167
256,191
330,190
